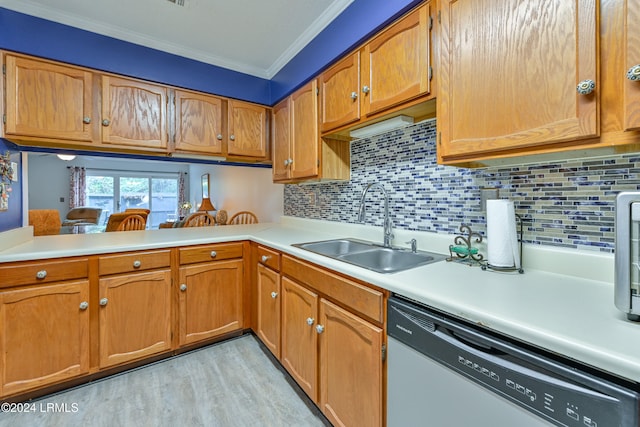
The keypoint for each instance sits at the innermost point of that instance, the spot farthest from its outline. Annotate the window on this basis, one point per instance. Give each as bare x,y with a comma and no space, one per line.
115,191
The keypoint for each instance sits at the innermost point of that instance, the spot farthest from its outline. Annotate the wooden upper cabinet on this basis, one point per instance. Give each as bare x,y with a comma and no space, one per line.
198,123
247,125
509,72
47,100
281,139
339,89
396,64
134,114
632,81
305,137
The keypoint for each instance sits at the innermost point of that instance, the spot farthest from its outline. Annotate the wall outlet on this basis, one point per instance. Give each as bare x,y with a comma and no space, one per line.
61,199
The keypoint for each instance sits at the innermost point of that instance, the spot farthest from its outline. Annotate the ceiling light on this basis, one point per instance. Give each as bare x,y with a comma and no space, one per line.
381,127
66,157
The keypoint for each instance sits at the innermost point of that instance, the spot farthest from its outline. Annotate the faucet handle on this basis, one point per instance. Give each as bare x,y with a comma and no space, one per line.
414,245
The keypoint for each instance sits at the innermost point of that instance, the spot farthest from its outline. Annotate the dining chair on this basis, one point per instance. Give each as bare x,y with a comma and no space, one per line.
243,217
116,218
199,219
45,221
131,223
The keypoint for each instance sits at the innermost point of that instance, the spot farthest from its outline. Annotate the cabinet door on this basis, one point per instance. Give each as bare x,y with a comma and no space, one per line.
44,335
210,300
198,123
135,314
339,93
247,129
299,337
281,139
350,368
632,87
305,138
509,72
47,100
134,114
395,65
268,322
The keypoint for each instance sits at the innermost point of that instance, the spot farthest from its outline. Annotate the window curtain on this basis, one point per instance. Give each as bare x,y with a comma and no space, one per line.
182,208
77,187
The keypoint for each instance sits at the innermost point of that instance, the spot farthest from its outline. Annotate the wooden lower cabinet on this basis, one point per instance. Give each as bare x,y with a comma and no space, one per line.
135,316
269,309
299,337
210,300
351,373
44,335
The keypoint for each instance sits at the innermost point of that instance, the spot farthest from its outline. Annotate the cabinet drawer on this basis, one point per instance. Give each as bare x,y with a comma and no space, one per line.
214,252
30,273
135,261
269,258
360,298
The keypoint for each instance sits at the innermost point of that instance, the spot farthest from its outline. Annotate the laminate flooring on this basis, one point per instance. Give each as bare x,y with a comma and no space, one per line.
233,383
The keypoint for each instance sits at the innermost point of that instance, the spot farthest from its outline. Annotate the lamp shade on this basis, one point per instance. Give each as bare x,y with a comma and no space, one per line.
206,205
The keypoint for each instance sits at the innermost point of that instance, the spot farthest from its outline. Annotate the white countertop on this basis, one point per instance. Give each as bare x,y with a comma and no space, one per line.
566,314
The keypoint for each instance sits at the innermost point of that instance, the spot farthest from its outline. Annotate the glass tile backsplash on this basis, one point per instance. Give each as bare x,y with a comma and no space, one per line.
566,203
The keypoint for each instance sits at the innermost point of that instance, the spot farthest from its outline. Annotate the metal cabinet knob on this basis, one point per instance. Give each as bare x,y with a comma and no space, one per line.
366,89
274,295
354,95
41,274
319,329
219,137
214,254
586,87
84,305
290,161
265,258
310,321
106,122
232,137
136,264
634,73
86,120
183,287
103,302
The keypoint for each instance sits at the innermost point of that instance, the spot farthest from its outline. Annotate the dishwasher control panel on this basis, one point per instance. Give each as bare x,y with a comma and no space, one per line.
558,393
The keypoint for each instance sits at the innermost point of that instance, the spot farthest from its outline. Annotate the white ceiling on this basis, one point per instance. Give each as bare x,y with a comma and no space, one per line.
256,37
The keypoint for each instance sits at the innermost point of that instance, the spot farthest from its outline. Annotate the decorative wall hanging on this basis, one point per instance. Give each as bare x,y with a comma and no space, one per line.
7,174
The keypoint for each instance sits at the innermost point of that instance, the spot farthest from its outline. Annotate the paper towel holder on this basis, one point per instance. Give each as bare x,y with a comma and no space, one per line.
487,266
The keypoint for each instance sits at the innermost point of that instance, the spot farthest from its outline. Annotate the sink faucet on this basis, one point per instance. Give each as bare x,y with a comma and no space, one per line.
388,235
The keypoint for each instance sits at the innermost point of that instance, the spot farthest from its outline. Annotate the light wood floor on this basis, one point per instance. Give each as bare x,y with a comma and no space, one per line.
233,383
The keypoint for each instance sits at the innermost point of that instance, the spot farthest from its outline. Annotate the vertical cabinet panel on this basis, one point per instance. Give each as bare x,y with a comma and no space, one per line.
269,310
135,316
351,374
247,129
281,140
340,89
632,54
299,338
134,113
305,138
509,72
198,123
210,300
44,335
48,101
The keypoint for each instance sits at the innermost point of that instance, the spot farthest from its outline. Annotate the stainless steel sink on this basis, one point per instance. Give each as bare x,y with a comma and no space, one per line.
371,256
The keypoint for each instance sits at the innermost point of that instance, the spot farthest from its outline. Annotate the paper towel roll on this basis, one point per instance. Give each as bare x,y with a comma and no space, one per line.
502,240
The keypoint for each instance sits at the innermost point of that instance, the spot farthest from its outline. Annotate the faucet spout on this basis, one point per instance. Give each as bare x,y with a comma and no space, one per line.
388,224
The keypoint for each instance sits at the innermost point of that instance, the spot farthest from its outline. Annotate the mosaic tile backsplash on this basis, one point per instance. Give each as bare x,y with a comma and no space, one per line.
568,203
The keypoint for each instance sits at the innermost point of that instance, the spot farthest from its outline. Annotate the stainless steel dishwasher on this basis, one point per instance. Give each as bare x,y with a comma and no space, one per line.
444,373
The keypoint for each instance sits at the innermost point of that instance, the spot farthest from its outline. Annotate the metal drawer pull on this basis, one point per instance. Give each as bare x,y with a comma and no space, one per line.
86,120
265,258
136,264
354,95
183,287
319,329
214,254
219,136
310,321
365,89
103,302
41,274
274,295
585,87
634,73
106,122
84,305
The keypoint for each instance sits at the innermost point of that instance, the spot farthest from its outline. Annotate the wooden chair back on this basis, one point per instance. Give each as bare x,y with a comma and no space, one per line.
117,217
199,219
131,223
243,217
45,221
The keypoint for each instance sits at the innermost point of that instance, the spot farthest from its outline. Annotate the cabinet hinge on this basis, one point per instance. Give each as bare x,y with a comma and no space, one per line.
318,162
430,73
4,68
4,119
384,352
440,139
439,18
431,22
317,91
